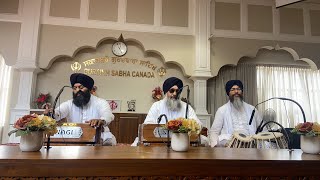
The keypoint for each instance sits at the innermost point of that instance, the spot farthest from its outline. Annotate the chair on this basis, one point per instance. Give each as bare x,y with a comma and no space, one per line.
90,136
155,134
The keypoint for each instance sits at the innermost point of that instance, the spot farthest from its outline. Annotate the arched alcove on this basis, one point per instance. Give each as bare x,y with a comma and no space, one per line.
244,69
116,77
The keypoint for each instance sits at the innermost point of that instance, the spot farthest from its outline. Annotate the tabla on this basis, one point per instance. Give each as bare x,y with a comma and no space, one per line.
270,140
240,140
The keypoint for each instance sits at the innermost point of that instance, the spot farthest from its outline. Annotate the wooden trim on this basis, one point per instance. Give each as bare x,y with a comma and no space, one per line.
89,161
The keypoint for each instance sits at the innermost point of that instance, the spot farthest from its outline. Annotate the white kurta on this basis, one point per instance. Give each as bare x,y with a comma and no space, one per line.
160,107
96,108
222,126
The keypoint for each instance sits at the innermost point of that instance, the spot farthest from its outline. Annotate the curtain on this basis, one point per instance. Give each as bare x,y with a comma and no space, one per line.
299,84
5,78
216,86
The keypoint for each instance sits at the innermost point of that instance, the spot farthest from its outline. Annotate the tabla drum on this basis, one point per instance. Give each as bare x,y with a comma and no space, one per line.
240,140
270,140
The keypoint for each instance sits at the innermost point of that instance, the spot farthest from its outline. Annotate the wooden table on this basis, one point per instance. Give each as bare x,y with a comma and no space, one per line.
156,162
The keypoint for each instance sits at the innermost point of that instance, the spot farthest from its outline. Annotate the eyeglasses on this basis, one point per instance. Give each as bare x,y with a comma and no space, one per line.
174,90
235,89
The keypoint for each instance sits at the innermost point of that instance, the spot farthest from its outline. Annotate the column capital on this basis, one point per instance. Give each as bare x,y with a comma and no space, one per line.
203,76
25,68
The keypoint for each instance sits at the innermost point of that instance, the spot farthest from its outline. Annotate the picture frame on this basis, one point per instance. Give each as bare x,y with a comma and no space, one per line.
115,105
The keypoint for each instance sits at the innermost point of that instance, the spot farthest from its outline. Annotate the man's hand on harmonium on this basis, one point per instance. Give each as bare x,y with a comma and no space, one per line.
48,110
97,122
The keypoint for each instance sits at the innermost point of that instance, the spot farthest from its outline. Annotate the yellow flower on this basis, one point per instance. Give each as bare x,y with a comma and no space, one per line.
183,125
316,128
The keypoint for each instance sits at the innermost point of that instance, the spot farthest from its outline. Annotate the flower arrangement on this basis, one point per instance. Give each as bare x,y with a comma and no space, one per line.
182,125
157,93
34,122
308,129
42,100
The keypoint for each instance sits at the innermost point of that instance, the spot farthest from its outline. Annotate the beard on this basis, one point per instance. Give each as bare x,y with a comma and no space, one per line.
237,101
81,98
173,104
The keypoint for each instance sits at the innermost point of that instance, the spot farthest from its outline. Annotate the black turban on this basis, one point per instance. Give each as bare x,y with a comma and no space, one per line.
170,82
83,79
232,83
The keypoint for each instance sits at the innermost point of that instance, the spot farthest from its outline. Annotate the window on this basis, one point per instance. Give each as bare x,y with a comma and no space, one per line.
5,78
299,84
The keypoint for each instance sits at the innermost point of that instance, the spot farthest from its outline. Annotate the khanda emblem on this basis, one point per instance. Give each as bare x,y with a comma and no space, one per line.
76,66
162,71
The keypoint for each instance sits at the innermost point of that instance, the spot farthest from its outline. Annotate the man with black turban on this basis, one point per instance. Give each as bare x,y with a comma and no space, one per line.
87,108
171,105
233,116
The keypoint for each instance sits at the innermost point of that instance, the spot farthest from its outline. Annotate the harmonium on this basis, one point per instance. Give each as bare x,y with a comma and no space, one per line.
156,134
75,133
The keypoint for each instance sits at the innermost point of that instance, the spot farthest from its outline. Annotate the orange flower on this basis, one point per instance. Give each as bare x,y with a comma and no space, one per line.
174,124
34,122
305,127
21,123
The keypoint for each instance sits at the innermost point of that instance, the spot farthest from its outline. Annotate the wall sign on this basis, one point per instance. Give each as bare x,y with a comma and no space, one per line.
85,67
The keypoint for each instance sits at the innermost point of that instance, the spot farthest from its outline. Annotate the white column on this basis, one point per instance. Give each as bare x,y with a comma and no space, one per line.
27,52
202,70
26,60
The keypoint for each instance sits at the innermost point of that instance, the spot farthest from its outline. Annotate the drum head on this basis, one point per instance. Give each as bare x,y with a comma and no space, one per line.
242,137
267,135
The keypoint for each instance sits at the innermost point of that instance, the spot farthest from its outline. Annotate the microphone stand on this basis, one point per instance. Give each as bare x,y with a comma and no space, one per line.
283,129
53,112
187,108
285,133
168,137
286,99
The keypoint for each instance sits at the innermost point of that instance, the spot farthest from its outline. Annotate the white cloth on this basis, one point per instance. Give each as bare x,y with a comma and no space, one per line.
160,107
222,127
96,108
239,120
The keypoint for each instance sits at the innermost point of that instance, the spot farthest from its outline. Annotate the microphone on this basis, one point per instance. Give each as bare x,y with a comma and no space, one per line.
168,137
53,112
252,115
187,107
188,94
56,99
160,117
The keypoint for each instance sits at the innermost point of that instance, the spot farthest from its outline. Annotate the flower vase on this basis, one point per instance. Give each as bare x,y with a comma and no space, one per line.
180,141
32,141
310,145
